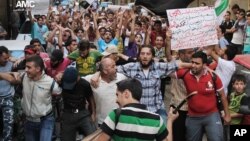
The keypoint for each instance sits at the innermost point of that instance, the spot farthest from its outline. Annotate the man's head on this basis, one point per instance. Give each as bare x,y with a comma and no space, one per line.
108,69
34,66
108,35
71,45
199,61
185,55
157,25
128,91
227,16
56,58
29,50
66,35
79,33
37,44
84,47
239,83
4,55
138,26
235,8
112,52
241,14
40,21
138,39
146,55
159,41
230,52
69,79
221,30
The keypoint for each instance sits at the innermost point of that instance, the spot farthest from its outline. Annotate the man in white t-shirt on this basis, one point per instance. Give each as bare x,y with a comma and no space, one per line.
105,93
226,66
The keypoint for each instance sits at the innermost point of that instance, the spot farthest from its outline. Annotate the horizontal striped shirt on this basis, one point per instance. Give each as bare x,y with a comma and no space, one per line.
135,123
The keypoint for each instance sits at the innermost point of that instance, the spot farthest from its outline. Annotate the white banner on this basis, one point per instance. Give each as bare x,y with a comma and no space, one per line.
192,27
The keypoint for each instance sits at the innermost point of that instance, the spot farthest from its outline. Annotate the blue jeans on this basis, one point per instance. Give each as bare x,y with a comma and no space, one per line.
211,124
162,112
39,131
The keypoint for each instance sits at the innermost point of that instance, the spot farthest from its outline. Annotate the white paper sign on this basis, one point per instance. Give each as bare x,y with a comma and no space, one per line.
192,27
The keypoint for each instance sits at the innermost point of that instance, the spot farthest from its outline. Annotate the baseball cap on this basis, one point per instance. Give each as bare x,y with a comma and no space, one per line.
29,49
110,50
69,78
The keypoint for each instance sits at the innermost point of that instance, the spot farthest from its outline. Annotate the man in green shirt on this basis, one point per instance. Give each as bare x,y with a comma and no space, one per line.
85,58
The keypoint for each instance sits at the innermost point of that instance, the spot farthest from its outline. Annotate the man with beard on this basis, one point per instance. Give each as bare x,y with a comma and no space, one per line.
39,28
148,73
104,95
85,58
203,114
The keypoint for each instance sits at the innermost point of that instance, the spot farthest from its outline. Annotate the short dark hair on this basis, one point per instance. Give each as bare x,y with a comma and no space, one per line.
69,42
83,45
38,61
3,49
235,6
231,52
56,55
201,55
35,40
228,12
133,85
223,29
158,22
239,77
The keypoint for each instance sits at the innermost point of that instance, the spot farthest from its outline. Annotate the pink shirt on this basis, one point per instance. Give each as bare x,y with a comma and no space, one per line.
60,68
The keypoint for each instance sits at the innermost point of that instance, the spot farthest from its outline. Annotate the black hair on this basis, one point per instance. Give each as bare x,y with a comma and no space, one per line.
242,11
83,45
69,42
56,55
201,55
239,77
138,23
38,61
133,85
157,22
3,49
231,51
228,12
35,40
235,6
223,29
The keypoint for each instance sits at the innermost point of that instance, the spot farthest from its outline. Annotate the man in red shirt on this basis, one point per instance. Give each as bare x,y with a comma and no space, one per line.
203,114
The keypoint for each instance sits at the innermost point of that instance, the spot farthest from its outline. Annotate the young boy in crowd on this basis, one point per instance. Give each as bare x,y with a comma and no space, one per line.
239,85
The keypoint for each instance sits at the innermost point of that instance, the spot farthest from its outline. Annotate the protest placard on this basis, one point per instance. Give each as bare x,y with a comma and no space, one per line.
192,27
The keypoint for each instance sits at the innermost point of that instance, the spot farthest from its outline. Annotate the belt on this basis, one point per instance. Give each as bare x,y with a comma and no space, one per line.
39,119
75,111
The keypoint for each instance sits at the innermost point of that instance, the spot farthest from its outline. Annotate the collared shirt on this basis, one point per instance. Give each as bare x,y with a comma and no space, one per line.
151,95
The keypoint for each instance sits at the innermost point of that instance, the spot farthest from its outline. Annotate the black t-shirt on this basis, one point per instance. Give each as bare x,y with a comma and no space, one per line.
76,98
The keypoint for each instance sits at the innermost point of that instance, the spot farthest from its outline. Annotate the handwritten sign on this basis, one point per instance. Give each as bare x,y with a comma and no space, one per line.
192,27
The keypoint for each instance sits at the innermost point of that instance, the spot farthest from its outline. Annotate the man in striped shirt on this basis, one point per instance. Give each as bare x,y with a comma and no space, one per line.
134,121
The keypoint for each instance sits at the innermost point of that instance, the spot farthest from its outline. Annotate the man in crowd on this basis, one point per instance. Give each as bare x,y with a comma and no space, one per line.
132,122
202,108
6,96
85,58
105,97
75,117
36,102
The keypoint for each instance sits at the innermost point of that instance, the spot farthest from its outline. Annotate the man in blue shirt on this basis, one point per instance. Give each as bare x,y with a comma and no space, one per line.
6,93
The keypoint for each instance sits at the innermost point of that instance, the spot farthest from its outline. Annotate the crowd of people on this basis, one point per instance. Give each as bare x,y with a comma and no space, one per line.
81,64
